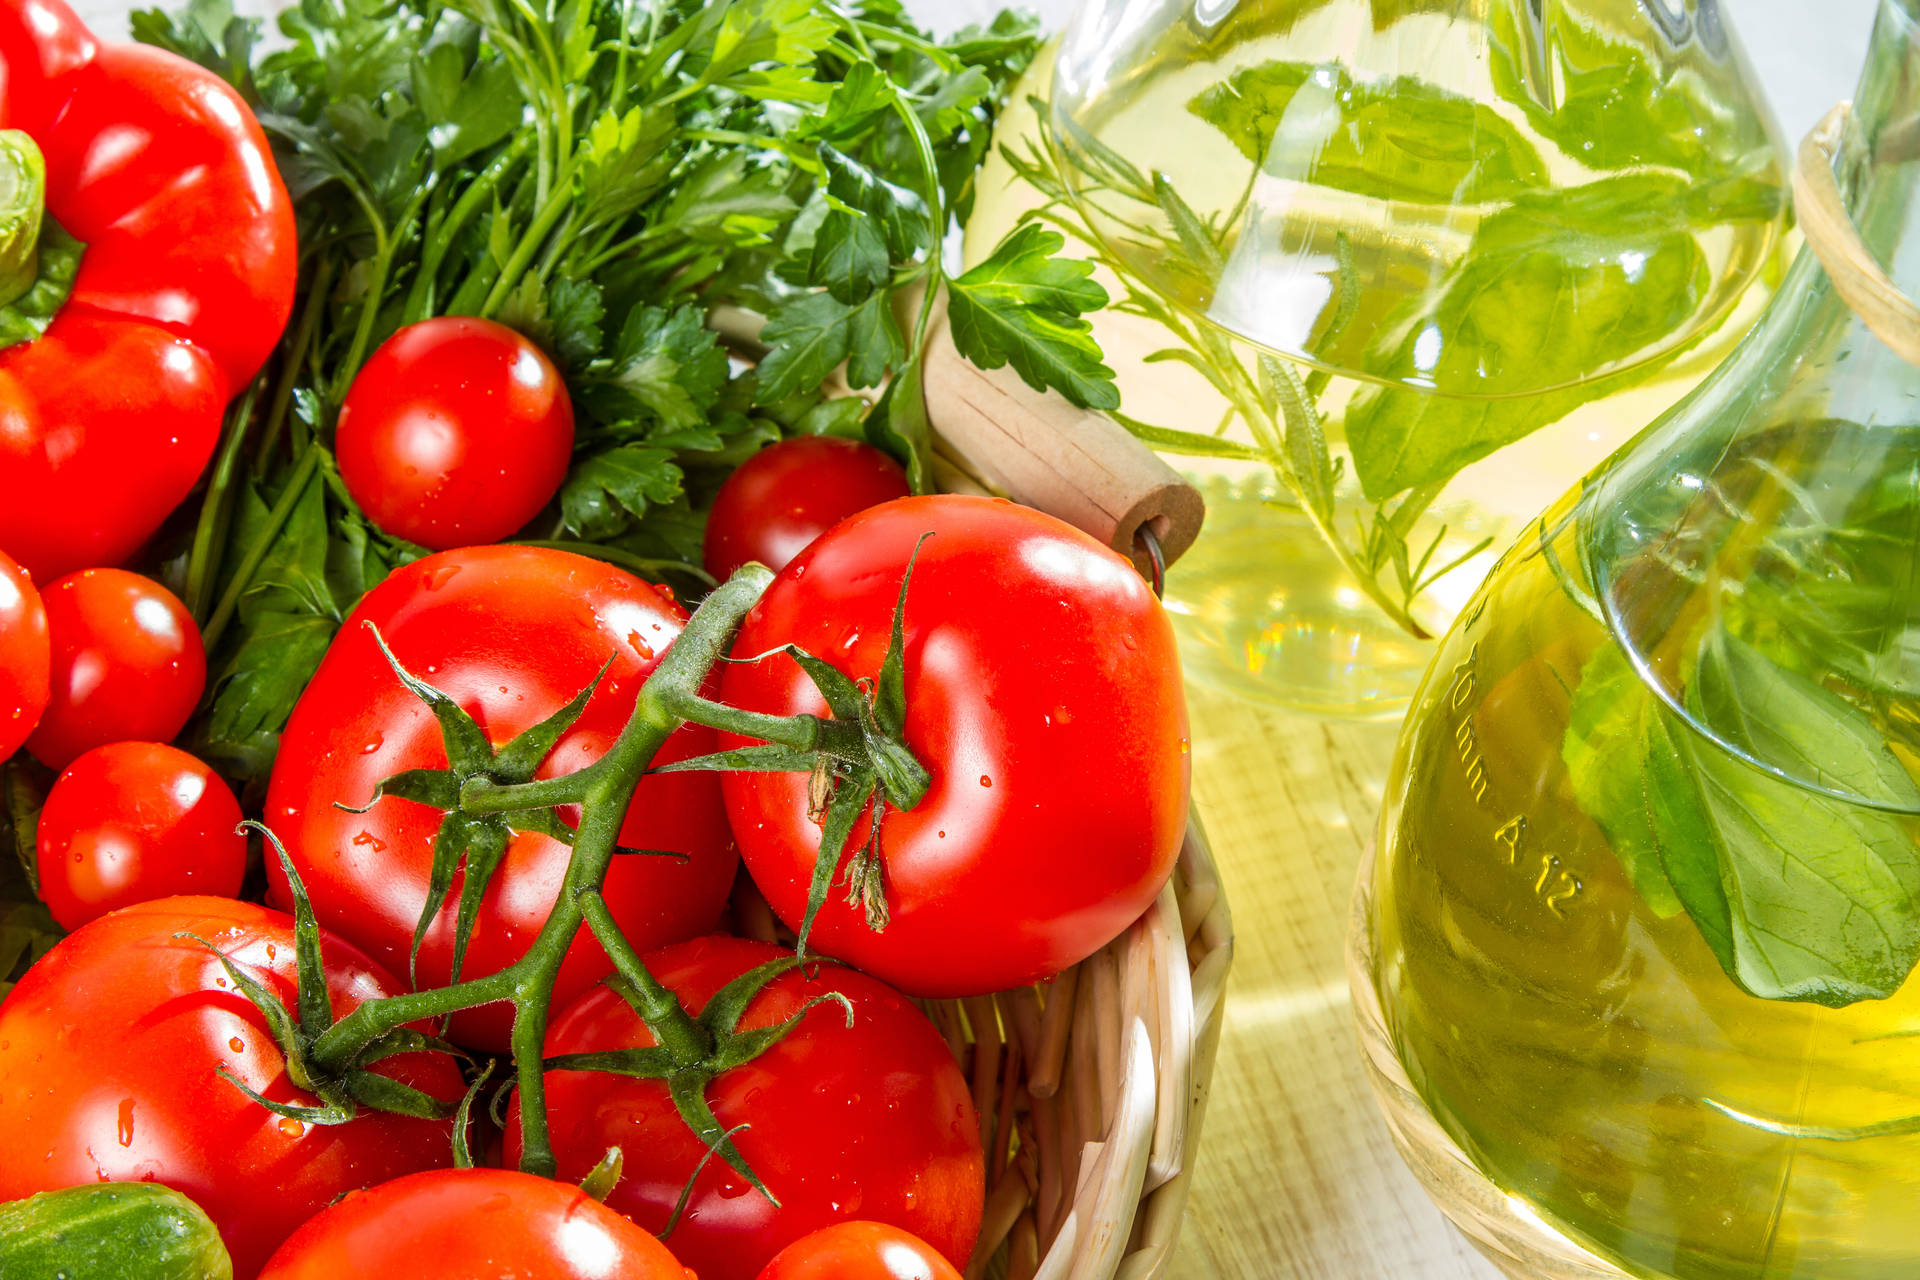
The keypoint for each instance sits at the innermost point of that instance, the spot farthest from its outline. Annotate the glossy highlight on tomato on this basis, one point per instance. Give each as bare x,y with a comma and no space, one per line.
783,497
473,1224
135,821
511,634
1043,693
860,1251
456,432
872,1120
109,1049
128,664
26,656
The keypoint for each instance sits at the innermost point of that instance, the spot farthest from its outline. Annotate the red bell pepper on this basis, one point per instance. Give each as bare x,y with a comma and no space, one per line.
184,283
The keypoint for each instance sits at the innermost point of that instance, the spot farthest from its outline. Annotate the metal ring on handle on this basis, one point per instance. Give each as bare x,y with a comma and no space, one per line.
1862,283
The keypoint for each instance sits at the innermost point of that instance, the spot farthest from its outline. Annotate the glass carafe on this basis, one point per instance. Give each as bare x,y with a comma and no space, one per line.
1646,902
1394,272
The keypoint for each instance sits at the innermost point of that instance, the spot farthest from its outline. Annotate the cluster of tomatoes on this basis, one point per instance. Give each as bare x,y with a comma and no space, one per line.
1041,695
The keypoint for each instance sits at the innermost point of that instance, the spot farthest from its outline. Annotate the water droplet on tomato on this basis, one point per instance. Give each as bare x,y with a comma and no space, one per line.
438,576
985,781
237,1045
290,1127
371,841
123,1131
941,834
374,744
272,952
640,646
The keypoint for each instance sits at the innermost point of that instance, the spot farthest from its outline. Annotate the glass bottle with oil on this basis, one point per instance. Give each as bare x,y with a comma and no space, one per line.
1647,899
1390,274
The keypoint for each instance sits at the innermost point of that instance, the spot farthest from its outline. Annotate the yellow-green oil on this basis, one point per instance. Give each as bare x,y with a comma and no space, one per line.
1589,1053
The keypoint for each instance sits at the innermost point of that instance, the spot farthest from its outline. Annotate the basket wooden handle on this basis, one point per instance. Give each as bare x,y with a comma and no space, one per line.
1038,449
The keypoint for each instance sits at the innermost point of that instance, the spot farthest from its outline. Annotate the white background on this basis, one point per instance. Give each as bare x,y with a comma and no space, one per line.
1806,52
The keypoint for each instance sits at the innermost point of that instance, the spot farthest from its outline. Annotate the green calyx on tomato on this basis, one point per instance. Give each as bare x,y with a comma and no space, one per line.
882,770
488,793
342,1093
474,842
38,259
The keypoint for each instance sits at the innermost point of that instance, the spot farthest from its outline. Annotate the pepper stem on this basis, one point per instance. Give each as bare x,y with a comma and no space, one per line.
23,204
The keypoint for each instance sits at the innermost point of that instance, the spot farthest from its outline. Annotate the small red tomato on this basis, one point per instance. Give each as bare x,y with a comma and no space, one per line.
134,821
128,664
790,493
455,433
872,1120
860,1251
25,656
473,1224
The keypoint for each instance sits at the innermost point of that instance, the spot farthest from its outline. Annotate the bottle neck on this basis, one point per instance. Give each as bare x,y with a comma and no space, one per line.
1880,172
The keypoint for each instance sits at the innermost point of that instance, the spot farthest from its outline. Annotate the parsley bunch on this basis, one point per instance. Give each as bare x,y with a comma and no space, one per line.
608,177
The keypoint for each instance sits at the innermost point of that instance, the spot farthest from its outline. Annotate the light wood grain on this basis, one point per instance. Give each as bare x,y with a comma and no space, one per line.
1297,1176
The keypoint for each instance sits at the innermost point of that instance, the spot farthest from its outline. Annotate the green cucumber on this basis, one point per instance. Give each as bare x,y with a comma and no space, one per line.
111,1231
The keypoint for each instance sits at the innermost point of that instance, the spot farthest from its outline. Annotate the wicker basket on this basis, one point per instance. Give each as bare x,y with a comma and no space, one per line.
1514,1238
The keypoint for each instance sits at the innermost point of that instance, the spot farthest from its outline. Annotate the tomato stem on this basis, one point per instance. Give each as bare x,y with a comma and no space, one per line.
677,1030
603,790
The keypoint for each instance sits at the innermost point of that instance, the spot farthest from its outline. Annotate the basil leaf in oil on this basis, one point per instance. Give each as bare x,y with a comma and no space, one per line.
1400,139
1551,289
1800,896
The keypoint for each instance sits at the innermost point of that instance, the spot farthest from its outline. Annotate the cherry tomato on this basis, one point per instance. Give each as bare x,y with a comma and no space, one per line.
473,1224
134,821
512,634
128,664
860,1251
455,433
790,493
109,1049
25,656
871,1120
1043,694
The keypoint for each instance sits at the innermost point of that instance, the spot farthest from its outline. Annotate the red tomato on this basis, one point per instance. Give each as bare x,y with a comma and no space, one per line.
108,1053
455,433
512,634
1043,694
134,821
473,1224
25,656
872,1120
790,493
128,664
860,1251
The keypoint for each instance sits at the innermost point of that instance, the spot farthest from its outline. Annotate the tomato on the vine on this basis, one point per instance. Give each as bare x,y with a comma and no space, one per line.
872,1120
134,821
860,1251
481,1224
109,1054
510,634
456,432
25,656
1042,692
788,494
128,664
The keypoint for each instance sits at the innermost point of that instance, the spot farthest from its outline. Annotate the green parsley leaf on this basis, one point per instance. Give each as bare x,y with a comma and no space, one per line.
1023,306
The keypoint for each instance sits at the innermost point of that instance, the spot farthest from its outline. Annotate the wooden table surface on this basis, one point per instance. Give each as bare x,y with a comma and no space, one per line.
1297,1176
